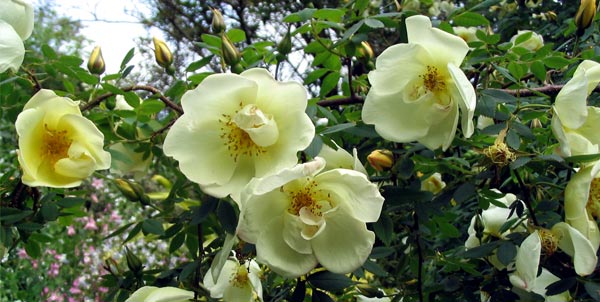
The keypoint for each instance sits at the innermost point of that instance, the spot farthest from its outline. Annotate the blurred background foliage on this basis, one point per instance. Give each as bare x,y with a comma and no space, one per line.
176,230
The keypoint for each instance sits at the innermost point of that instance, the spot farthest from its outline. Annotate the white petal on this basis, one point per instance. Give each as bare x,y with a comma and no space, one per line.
170,294
442,132
238,294
292,234
570,105
572,242
272,250
257,210
467,100
217,288
528,260
12,51
576,197
355,191
448,46
387,78
272,182
141,294
344,244
19,14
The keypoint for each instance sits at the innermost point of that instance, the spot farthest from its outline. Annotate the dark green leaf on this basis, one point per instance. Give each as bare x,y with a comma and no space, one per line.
481,251
70,202
397,196
299,292
319,296
593,289
136,230
329,281
384,228
33,249
199,214
151,226
50,211
29,226
337,128
374,268
561,285
513,140
329,83
506,252
539,70
465,192
583,158
381,252
176,242
13,217
187,270
519,162
227,216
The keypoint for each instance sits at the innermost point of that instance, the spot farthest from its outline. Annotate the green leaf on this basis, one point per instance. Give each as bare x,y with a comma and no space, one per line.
465,192
593,289
199,64
513,140
227,216
470,19
523,37
556,62
374,23
329,281
319,296
48,52
329,83
29,226
50,212
481,251
150,107
519,162
14,217
236,35
127,58
299,292
384,228
334,15
583,158
300,16
151,226
539,70
33,249
315,75
337,128
398,196
374,268
176,242
136,230
71,202
187,270
518,70
506,252
560,286
381,252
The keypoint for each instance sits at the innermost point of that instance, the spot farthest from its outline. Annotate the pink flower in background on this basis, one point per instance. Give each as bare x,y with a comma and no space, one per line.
94,198
91,224
54,269
22,254
97,183
71,230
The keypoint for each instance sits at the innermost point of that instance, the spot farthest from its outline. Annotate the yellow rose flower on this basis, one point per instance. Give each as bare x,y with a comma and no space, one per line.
58,147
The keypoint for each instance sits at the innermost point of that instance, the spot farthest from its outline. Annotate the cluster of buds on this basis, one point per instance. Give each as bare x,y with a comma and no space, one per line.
229,53
132,191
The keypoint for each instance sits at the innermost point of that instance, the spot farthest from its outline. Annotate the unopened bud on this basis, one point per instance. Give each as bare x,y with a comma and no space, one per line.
285,45
133,262
585,15
231,54
364,50
218,23
381,159
125,188
163,181
96,63
536,123
162,53
112,267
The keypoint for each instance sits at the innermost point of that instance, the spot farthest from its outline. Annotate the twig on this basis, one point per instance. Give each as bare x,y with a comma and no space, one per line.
199,259
154,90
36,84
420,254
527,199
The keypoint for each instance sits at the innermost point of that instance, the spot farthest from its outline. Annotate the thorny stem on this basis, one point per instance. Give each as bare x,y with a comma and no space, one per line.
36,84
154,90
527,197
420,254
198,273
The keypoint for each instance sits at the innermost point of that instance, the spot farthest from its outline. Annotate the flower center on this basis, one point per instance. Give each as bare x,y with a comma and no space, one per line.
248,131
240,278
549,241
593,204
432,80
55,144
310,199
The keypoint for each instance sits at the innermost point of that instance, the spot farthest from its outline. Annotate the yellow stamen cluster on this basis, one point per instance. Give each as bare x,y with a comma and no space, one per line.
240,278
499,154
237,140
549,241
306,197
55,144
433,80
593,204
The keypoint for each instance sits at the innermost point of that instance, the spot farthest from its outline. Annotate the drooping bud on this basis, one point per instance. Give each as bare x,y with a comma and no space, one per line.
133,262
231,55
96,63
536,123
162,53
218,23
585,15
499,153
381,159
